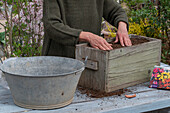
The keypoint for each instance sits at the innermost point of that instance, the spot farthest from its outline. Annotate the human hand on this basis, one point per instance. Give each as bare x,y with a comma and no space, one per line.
122,35
95,41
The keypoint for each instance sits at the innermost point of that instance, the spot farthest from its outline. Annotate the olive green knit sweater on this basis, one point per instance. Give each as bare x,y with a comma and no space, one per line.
65,19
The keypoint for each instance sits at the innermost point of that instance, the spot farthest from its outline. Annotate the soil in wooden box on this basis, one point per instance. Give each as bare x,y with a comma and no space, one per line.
135,41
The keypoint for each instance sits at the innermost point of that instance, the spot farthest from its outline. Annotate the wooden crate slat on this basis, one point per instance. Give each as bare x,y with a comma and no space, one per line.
125,85
134,49
128,79
116,72
133,59
135,65
91,78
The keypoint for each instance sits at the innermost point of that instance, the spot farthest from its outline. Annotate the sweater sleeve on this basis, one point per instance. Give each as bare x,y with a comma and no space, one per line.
54,25
114,13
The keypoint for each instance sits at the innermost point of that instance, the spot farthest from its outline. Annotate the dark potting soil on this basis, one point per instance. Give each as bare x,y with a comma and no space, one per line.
97,94
135,41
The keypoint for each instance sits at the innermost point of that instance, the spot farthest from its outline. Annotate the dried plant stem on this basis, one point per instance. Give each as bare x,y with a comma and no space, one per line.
8,25
19,25
6,44
11,29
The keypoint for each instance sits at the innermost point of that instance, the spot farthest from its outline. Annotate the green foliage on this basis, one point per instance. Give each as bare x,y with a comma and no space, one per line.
1,4
157,16
144,28
151,21
2,37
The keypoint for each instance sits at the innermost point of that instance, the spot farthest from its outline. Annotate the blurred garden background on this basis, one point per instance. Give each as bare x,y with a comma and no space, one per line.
21,26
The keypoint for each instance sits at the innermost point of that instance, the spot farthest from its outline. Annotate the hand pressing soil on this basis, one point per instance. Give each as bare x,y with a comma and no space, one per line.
135,41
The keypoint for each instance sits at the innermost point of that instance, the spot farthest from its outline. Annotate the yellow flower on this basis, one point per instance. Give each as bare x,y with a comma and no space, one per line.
158,77
144,28
165,75
112,32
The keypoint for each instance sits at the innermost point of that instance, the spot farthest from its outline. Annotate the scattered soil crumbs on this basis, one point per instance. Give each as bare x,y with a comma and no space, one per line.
97,94
135,41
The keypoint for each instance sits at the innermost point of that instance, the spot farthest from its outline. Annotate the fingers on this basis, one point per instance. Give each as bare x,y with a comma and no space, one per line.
105,46
127,41
99,43
124,40
96,47
109,46
121,40
102,47
117,39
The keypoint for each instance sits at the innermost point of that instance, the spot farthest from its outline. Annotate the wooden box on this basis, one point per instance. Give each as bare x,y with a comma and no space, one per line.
108,71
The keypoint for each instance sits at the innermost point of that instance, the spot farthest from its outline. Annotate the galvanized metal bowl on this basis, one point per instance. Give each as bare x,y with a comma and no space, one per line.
44,82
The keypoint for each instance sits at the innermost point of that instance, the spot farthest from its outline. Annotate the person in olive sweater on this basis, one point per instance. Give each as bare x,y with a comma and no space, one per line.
69,22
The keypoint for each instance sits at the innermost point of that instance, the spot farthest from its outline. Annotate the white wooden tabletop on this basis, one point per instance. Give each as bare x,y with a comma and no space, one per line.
147,99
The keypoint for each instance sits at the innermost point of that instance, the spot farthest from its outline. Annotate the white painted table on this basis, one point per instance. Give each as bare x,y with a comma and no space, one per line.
147,99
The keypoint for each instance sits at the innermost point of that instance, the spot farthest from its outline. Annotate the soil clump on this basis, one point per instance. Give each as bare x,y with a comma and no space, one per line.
98,94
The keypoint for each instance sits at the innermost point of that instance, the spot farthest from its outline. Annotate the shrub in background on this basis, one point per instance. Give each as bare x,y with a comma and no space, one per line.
24,28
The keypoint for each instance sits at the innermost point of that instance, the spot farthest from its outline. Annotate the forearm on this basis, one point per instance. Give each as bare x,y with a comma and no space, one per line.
63,34
84,36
